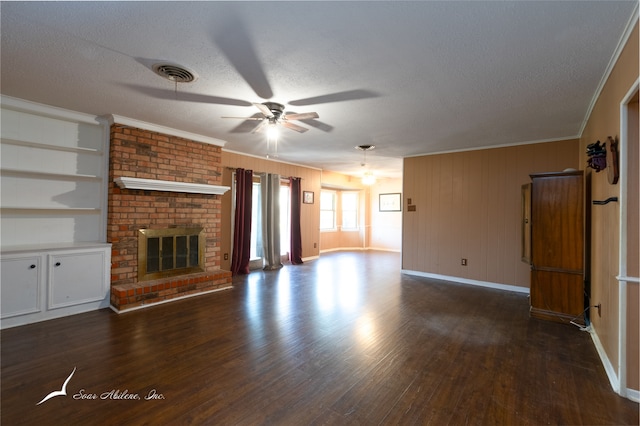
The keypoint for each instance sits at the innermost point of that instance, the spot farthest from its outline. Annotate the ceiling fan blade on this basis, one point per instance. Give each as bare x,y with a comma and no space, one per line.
318,125
245,127
349,95
237,46
301,116
245,118
264,110
185,96
295,127
260,126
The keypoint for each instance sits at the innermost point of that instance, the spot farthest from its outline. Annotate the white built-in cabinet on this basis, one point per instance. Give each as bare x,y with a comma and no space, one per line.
53,210
44,284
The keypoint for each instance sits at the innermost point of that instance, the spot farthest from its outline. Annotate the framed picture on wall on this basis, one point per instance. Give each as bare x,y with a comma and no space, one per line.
390,202
307,197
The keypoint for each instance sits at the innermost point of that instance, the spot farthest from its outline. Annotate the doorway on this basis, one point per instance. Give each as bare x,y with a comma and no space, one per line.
629,268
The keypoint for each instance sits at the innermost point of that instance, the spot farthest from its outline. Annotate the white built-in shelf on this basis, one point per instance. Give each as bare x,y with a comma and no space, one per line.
51,147
170,186
48,175
52,247
54,174
50,210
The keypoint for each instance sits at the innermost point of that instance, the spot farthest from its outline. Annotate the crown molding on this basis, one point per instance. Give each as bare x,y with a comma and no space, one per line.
629,27
113,119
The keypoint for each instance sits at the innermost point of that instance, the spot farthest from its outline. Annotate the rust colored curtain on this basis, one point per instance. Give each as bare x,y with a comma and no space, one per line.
242,223
295,245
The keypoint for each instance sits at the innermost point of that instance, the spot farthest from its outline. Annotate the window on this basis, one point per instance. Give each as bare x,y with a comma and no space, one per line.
350,210
327,210
256,221
257,254
285,226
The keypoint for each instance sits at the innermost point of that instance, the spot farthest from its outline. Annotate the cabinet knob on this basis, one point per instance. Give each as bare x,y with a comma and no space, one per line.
32,266
57,264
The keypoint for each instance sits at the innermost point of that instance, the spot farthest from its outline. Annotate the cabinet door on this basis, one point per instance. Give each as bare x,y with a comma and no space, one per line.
76,277
557,296
21,278
557,208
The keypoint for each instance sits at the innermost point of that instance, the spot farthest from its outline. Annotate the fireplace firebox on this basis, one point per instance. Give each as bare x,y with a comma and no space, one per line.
170,252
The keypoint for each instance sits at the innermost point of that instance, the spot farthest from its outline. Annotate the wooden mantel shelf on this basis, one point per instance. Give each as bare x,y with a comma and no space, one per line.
165,185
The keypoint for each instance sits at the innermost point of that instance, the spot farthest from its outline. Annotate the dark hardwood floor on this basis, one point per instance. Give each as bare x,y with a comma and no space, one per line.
346,339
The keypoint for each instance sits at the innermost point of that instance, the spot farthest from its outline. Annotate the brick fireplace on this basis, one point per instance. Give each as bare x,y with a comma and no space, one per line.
159,181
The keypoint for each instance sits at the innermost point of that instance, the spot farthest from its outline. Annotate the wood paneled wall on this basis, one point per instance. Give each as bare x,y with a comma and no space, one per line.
604,121
310,220
468,205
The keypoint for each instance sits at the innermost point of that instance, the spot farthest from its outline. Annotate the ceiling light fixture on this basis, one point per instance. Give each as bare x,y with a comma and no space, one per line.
272,138
368,177
272,131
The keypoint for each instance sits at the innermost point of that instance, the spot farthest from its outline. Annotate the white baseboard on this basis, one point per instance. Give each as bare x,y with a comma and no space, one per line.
343,249
385,249
498,286
360,249
614,380
608,367
633,395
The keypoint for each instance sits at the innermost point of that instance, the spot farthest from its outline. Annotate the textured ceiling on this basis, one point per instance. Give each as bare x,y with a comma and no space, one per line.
409,77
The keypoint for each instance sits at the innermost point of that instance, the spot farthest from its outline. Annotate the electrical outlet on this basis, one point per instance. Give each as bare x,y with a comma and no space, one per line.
226,256
463,261
315,245
599,306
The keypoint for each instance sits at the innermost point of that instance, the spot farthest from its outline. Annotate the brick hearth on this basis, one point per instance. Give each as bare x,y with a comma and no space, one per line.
129,296
145,154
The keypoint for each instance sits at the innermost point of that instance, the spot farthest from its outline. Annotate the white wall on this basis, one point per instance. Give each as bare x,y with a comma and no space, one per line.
386,227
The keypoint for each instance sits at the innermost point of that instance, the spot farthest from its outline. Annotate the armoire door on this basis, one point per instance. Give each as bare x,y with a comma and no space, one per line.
557,246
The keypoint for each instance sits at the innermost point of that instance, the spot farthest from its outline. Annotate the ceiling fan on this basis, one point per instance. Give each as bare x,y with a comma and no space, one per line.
234,42
273,113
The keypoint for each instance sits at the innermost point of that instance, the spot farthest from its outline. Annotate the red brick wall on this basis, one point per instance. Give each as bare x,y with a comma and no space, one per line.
151,155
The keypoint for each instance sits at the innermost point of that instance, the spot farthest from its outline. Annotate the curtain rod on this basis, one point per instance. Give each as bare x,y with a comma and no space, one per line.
259,173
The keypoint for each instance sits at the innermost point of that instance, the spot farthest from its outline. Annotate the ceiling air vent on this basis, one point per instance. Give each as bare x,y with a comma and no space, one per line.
174,73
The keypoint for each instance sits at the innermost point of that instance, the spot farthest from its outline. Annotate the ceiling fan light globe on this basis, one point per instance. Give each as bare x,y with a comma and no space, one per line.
272,131
368,178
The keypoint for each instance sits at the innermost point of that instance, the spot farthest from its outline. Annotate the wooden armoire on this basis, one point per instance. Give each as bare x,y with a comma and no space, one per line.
556,222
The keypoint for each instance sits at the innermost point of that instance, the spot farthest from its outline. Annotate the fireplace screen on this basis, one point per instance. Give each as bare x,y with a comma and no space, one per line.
169,252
